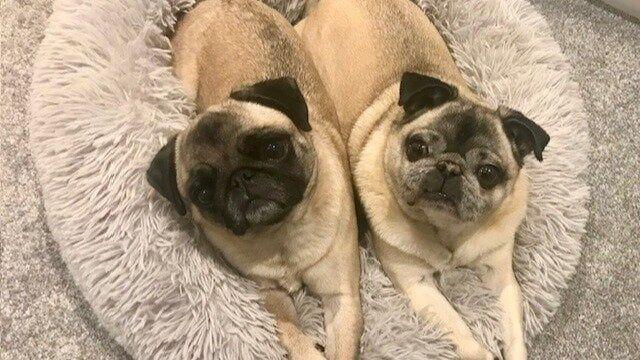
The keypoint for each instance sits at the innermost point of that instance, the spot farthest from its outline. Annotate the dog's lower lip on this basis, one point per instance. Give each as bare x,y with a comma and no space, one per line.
438,196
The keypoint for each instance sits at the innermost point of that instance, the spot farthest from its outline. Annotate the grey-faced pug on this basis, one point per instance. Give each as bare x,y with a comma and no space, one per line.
262,170
439,172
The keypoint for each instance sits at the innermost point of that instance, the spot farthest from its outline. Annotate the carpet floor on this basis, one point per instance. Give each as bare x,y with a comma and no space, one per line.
43,314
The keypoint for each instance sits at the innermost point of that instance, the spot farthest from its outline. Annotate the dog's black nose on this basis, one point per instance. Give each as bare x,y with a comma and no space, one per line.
444,180
243,176
452,186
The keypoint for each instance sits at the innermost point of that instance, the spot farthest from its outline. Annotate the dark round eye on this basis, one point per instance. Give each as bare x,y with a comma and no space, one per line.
275,150
416,148
202,183
202,196
205,197
488,176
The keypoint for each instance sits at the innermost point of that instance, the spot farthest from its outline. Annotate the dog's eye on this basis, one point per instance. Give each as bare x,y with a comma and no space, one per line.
205,197
416,148
266,146
202,185
488,176
202,196
275,149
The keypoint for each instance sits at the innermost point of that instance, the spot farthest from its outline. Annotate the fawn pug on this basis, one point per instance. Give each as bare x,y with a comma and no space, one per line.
263,170
438,171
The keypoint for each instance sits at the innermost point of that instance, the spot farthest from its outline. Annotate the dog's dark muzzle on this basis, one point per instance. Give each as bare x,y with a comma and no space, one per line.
259,197
444,183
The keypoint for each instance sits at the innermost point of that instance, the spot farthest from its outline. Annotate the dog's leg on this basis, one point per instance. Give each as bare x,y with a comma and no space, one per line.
415,278
336,280
513,330
501,280
343,323
298,345
340,302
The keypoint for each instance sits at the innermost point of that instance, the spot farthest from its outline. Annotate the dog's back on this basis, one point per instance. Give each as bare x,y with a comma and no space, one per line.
221,45
363,46
210,52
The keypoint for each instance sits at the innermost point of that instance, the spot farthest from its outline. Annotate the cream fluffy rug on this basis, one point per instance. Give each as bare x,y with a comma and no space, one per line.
104,100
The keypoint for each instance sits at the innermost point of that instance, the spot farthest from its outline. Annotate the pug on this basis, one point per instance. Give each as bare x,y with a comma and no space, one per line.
438,171
262,169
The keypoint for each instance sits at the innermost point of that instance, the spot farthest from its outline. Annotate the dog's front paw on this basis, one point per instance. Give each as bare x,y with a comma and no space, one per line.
514,352
472,350
313,354
306,349
302,355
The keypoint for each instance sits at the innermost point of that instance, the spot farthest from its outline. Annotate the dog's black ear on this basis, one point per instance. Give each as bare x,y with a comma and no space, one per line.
525,135
419,92
162,175
282,94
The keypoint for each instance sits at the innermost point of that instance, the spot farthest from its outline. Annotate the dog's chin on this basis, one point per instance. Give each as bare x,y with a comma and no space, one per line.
439,200
437,208
432,201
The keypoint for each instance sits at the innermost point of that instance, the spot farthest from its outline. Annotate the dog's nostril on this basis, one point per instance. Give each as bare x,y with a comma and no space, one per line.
245,174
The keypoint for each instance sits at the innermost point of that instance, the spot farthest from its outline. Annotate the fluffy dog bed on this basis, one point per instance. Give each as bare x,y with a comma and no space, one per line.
104,100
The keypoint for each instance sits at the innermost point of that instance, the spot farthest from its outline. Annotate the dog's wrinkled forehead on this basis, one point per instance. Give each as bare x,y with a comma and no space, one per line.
465,127
215,128
223,126
461,125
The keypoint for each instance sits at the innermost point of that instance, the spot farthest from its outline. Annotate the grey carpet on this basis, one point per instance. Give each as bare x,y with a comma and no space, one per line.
43,315
600,318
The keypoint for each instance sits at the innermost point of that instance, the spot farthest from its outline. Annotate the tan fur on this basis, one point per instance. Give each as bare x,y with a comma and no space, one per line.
361,48
220,46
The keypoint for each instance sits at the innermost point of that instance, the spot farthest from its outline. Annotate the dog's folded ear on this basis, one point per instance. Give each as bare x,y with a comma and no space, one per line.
282,94
418,92
525,135
162,175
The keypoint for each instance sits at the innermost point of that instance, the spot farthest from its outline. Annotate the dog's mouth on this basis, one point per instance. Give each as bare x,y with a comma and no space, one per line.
439,201
244,210
255,198
438,197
